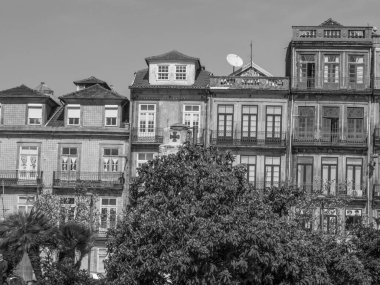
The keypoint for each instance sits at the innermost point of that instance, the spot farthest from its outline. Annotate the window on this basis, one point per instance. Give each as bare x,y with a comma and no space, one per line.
356,68
163,72
329,175
69,163
111,160
147,120
25,203
272,171
354,172
191,115
28,163
73,115
304,217
305,173
68,207
273,123
250,161
355,123
108,213
225,122
330,124
110,115
353,217
102,255
249,123
144,157
329,221
306,122
34,114
307,70
331,69
180,72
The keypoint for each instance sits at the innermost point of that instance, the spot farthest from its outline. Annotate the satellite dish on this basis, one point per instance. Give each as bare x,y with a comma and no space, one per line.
234,60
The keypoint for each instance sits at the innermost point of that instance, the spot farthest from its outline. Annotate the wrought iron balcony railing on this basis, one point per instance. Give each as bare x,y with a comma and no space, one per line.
90,179
325,138
20,177
147,135
334,83
332,188
245,82
245,138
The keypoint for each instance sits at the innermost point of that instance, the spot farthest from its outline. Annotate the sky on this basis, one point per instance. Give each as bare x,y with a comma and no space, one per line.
59,41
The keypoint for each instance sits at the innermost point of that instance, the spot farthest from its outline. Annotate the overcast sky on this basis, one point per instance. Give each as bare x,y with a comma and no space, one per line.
59,41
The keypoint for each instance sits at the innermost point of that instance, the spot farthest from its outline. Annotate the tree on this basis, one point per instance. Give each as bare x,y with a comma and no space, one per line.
24,232
194,219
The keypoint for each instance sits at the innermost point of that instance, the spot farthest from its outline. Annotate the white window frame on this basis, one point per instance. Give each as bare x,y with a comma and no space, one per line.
73,107
180,72
27,205
108,207
146,132
111,108
163,74
101,252
68,206
38,118
112,166
192,113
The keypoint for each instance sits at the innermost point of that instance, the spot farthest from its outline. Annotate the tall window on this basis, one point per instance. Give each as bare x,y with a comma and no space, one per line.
354,173
353,217
180,72
250,161
25,203
73,115
329,221
28,163
143,157
111,160
272,171
163,72
34,114
225,122
69,163
67,211
110,115
329,175
147,119
273,122
306,122
305,173
249,123
102,256
356,68
108,213
330,123
331,69
307,70
355,122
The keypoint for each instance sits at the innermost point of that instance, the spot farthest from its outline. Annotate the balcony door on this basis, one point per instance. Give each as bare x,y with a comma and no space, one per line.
273,124
249,124
28,163
355,123
305,173
307,71
330,124
225,123
147,120
329,175
306,123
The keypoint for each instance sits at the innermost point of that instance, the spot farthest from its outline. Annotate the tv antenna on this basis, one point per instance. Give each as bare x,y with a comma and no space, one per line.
234,60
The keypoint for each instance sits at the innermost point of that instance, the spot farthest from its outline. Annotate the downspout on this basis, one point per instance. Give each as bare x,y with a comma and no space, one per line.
290,138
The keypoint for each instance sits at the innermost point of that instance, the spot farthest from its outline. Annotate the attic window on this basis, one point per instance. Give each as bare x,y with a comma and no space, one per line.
34,114
180,72
73,115
163,72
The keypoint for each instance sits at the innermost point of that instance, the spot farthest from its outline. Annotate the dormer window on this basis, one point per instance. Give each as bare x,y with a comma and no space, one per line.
73,115
180,72
34,114
163,72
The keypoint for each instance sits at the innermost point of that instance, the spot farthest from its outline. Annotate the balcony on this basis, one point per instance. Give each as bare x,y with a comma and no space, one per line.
329,33
20,177
341,189
244,82
342,84
151,136
74,179
256,139
330,139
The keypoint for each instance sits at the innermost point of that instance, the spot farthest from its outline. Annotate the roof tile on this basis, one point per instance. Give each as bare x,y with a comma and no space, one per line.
94,92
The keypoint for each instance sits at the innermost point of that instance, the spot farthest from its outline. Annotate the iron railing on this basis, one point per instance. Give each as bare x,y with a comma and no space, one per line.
326,138
245,82
341,83
147,135
20,177
93,179
248,138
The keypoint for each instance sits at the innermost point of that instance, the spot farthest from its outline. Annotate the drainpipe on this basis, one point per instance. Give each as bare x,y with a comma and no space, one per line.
290,138
369,214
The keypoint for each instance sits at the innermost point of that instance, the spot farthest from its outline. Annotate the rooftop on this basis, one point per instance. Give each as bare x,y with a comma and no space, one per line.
94,92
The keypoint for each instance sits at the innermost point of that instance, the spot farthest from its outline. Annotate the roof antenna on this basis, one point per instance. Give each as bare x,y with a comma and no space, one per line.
251,52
